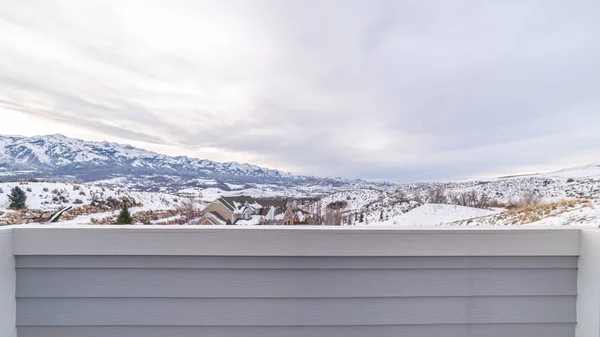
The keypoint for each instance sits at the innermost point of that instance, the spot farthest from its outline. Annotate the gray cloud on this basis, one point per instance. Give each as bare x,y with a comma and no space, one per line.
376,89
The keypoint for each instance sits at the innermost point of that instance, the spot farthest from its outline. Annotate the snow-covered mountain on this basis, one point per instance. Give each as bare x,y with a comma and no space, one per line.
57,156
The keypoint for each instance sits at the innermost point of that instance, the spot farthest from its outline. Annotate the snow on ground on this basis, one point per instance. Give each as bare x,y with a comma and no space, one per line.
588,216
435,215
205,181
210,194
356,199
192,192
5,173
579,212
50,195
258,191
111,181
87,219
166,220
253,221
592,170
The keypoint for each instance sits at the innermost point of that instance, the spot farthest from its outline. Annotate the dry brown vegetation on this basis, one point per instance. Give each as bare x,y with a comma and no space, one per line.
533,212
189,211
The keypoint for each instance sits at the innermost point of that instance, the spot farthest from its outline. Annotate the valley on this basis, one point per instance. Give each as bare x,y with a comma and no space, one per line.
57,172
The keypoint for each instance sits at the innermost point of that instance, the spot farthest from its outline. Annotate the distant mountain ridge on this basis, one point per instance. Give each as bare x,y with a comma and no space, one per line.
57,156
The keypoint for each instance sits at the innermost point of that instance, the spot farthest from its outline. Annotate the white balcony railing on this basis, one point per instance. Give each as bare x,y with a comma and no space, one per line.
228,281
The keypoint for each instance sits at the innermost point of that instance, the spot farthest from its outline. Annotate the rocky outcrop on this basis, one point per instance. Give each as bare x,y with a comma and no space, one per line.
27,216
144,217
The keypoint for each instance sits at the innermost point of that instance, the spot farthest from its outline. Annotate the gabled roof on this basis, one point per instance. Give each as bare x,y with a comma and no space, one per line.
225,203
273,213
273,208
235,204
241,199
266,202
216,217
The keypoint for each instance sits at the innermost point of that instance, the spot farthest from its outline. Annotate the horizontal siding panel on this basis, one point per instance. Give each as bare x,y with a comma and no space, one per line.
479,330
288,312
295,262
293,283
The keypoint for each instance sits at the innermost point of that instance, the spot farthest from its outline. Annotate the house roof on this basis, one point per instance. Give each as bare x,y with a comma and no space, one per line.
273,213
235,203
217,217
238,203
265,202
269,208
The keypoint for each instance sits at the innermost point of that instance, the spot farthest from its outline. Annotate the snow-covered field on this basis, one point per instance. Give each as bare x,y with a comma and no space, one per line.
436,215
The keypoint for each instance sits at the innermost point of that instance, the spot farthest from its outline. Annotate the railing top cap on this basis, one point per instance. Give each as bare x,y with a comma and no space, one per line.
373,228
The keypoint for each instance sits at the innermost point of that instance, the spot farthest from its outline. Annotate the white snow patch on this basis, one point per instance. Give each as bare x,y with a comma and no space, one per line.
434,215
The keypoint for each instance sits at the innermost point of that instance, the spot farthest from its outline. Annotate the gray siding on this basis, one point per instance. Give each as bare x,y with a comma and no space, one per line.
477,330
7,285
134,296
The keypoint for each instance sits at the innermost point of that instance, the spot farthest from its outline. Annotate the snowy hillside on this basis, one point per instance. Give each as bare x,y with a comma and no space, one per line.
47,197
586,171
560,195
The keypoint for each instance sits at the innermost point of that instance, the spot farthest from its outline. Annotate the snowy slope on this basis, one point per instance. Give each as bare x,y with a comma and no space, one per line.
586,171
49,195
435,214
407,204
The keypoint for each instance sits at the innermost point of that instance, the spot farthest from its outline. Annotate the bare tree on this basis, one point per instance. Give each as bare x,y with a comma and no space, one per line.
189,211
330,217
418,197
401,196
530,198
470,199
437,195
333,213
481,200
337,205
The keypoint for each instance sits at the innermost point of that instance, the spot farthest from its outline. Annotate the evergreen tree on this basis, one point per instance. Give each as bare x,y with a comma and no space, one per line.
355,217
17,198
381,216
362,217
124,217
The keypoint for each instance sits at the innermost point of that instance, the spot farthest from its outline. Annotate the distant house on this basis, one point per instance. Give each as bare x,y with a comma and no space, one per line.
244,210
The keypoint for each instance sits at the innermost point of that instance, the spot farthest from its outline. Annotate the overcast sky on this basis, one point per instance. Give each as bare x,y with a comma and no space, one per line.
397,90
